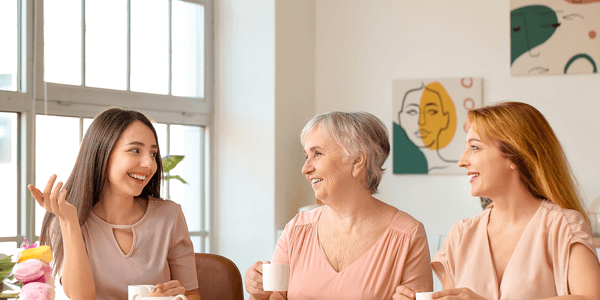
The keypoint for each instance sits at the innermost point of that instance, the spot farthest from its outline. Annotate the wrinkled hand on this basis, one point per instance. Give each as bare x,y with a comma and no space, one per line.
173,288
54,201
457,294
404,293
254,283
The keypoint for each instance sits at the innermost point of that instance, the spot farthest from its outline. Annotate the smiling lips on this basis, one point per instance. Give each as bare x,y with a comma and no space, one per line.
138,177
472,176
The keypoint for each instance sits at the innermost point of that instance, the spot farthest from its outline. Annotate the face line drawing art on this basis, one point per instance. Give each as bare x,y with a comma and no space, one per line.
444,113
543,26
429,110
581,56
436,141
412,109
408,156
540,70
517,29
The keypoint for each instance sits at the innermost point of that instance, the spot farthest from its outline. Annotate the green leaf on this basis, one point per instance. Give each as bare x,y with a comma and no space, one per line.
7,295
170,162
175,177
6,266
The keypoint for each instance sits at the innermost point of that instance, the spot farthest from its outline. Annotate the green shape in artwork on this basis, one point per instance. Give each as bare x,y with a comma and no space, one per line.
531,26
408,159
582,56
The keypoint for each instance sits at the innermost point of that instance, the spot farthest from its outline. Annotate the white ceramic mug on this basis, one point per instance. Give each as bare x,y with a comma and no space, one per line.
423,296
276,277
143,289
140,297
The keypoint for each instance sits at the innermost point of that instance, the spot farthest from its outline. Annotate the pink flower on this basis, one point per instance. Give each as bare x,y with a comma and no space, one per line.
32,270
27,246
37,291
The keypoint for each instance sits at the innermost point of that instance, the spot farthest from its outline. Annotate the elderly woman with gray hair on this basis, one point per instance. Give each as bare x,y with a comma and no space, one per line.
355,246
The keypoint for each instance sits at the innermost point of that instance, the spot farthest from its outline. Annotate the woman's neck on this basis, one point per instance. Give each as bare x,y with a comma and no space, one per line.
119,210
353,211
514,206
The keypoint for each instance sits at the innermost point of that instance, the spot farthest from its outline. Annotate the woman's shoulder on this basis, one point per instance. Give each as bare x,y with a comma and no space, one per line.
564,226
163,207
557,218
557,213
307,217
405,223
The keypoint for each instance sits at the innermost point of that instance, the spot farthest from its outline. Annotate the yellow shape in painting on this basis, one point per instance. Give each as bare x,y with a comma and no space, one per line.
42,253
437,122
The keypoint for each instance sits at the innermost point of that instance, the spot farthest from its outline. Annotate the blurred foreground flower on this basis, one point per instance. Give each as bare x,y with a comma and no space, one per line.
28,275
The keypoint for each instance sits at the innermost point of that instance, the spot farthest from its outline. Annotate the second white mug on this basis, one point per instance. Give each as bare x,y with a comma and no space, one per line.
141,297
276,277
423,296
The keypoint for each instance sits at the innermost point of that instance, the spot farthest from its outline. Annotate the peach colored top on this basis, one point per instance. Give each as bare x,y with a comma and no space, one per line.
400,256
161,251
538,266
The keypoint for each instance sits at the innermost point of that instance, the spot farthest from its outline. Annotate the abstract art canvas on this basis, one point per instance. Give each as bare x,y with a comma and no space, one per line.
554,37
430,127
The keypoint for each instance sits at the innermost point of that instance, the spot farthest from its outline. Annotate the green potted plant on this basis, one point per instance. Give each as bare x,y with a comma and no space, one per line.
169,162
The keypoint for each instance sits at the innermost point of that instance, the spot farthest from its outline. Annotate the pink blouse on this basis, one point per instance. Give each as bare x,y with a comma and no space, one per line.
399,257
538,266
161,251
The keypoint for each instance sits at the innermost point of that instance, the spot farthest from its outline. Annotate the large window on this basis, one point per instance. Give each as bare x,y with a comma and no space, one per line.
10,45
89,55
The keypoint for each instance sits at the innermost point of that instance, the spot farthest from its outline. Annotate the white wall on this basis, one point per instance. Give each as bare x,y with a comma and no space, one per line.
265,93
362,46
295,37
244,164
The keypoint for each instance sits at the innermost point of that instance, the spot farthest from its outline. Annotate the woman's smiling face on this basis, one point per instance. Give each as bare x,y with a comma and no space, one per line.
132,161
487,167
325,167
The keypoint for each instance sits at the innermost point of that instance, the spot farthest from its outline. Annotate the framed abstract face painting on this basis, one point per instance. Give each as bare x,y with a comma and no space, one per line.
552,37
430,127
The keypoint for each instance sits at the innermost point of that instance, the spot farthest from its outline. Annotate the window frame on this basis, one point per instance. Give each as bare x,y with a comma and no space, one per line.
34,96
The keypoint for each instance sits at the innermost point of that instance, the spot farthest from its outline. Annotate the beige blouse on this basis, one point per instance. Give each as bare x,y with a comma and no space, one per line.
399,257
161,251
538,266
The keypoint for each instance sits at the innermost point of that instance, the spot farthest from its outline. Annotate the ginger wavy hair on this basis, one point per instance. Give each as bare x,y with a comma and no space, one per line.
525,137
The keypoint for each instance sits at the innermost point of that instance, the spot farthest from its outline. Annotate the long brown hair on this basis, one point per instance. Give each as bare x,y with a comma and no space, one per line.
527,140
90,173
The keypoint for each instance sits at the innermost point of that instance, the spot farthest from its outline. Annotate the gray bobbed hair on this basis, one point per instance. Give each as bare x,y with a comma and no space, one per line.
355,132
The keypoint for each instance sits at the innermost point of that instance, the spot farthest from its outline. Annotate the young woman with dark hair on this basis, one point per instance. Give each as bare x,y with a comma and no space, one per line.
107,226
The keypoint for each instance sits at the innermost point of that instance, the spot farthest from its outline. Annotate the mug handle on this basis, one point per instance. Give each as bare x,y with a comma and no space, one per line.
179,297
136,295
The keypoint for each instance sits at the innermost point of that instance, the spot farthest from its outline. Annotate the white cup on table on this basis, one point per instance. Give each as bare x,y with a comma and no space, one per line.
178,297
423,296
276,277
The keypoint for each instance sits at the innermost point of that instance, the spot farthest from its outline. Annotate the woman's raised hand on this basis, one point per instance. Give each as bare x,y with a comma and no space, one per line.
254,282
54,200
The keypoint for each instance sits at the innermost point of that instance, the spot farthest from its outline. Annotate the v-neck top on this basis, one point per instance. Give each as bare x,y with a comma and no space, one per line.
161,251
538,267
399,257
